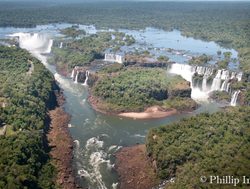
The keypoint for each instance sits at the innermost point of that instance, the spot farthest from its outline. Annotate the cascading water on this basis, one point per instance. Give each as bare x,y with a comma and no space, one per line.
234,98
34,42
221,81
61,45
87,77
76,79
187,72
225,85
216,85
73,74
239,76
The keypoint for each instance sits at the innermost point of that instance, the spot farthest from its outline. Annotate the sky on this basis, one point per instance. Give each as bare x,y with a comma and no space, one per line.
134,0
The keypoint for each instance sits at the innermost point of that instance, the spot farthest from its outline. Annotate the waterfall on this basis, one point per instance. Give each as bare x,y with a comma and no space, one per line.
61,45
224,86
77,74
73,73
225,75
35,42
233,75
239,76
87,77
234,98
216,85
113,58
228,85
220,82
204,83
186,72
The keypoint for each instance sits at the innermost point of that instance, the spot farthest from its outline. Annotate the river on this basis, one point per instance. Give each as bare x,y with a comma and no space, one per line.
97,137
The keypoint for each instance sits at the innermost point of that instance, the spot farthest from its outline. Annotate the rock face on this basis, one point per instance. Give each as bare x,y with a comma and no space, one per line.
135,169
182,90
79,74
147,64
180,93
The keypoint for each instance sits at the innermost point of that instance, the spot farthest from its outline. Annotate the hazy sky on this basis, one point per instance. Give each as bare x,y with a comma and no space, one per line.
68,1
130,0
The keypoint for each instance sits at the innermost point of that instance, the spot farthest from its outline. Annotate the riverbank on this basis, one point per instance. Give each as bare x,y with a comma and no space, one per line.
61,144
154,112
134,168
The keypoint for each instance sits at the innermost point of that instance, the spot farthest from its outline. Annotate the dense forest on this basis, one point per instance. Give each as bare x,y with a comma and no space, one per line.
226,23
79,49
134,89
204,145
25,91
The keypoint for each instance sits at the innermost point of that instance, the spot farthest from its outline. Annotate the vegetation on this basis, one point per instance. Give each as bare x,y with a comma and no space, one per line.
220,96
226,23
163,58
116,67
83,50
200,60
26,95
180,104
222,64
137,88
73,31
203,145
24,160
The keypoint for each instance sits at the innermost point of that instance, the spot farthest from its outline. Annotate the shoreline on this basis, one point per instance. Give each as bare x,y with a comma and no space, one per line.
135,169
152,112
61,144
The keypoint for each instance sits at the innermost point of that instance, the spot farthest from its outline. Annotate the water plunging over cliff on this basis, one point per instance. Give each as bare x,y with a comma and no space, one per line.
34,42
87,77
61,45
220,82
93,162
234,98
77,74
72,74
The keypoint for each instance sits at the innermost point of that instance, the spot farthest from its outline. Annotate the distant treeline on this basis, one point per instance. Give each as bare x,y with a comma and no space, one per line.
227,23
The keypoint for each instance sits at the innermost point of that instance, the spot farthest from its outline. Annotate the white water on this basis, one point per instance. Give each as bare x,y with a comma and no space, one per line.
234,98
61,45
94,149
220,81
217,81
76,79
72,74
34,42
96,154
187,72
225,86
87,77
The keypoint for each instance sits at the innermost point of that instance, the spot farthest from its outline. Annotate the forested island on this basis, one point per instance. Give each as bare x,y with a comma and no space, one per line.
35,142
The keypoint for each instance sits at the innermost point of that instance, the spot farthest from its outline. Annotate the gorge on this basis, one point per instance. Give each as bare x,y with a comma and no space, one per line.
96,136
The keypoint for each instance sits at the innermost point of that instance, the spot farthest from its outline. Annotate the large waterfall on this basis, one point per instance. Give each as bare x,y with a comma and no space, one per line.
221,81
34,42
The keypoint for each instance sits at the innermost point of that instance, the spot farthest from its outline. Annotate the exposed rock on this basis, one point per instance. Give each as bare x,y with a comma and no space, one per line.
135,169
